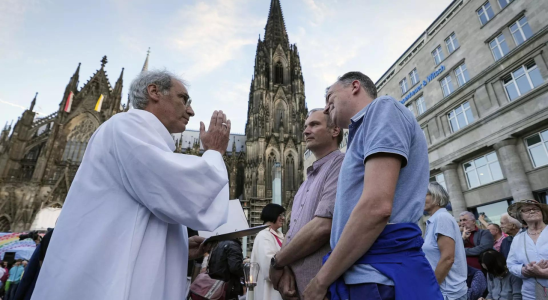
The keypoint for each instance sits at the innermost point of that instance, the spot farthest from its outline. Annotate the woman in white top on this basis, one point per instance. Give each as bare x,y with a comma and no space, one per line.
529,251
265,245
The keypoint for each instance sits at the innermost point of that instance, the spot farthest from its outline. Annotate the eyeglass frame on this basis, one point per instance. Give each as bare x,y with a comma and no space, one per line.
533,209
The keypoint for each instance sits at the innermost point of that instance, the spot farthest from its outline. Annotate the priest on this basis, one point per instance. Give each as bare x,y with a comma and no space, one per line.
122,232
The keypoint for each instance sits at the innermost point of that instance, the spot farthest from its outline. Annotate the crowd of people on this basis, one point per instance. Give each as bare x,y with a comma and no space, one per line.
353,228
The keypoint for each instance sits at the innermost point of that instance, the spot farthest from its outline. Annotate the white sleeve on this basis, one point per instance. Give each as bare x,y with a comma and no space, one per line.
514,265
177,188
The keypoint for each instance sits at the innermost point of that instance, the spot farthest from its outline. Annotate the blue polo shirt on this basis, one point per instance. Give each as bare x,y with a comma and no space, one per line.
383,126
442,222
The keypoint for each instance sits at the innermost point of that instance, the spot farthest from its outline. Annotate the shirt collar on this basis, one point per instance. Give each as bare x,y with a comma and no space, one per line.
436,214
156,124
359,115
320,162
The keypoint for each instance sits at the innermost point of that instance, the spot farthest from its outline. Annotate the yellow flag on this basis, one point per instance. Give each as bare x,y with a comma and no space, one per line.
99,103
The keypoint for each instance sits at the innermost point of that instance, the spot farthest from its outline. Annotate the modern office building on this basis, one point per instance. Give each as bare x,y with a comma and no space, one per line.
476,80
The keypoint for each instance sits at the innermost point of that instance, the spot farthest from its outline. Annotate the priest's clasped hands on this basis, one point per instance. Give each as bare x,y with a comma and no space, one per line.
217,135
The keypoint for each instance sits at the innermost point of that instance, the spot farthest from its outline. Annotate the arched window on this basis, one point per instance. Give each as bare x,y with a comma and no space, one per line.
33,154
279,116
289,171
279,73
77,141
270,163
4,224
254,181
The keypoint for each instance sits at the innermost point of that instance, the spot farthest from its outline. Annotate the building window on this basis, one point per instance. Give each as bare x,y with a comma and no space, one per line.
504,3
499,47
485,13
460,117
290,169
438,55
521,30
462,75
279,73
452,43
403,86
424,131
414,75
524,79
537,145
421,105
439,179
447,86
410,107
483,170
494,210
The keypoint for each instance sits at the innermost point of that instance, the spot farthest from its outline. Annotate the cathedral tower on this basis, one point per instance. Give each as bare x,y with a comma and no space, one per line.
275,120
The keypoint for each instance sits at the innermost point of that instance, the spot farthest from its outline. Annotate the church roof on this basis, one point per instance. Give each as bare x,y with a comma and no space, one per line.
192,136
275,26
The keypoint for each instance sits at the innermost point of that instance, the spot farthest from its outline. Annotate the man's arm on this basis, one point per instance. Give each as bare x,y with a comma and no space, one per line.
447,257
314,235
486,242
367,221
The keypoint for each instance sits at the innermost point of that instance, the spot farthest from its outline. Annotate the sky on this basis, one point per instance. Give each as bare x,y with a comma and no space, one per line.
209,43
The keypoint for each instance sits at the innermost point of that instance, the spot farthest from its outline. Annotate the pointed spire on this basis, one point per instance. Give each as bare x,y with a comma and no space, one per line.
121,76
145,66
33,103
275,26
104,61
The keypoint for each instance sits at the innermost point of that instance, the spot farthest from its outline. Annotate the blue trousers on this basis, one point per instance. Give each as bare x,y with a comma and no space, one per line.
371,291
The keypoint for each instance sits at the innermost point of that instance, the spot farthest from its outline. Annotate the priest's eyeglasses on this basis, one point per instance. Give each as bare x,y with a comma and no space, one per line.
186,100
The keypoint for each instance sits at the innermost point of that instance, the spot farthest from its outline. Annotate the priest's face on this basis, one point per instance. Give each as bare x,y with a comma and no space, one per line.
176,107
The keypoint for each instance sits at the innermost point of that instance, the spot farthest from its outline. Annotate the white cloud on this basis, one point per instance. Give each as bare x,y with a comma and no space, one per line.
319,11
213,32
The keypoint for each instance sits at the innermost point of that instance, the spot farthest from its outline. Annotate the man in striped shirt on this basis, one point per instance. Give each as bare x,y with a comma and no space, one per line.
307,240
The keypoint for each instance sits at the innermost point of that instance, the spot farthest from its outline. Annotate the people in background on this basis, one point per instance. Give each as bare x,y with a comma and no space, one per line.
477,285
307,240
226,264
501,284
511,227
498,235
529,251
267,243
443,245
16,272
475,240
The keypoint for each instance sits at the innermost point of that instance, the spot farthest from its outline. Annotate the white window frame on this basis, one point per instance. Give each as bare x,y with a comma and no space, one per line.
414,75
421,105
476,170
451,40
483,10
520,29
441,182
507,3
446,81
542,144
513,81
459,71
439,54
403,86
468,122
498,46
410,107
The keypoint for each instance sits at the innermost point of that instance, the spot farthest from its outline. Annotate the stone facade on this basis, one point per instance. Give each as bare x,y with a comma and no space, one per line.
486,141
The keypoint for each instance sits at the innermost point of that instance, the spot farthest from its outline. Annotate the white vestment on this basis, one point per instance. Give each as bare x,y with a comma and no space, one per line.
122,231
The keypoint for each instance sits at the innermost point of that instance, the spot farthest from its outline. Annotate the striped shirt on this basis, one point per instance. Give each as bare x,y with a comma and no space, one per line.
315,198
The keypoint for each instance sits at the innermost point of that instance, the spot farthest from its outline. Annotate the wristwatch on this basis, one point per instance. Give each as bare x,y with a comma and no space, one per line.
273,263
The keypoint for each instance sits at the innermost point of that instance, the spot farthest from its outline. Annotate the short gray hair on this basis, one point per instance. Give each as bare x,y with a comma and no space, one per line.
138,90
511,220
469,214
438,193
365,82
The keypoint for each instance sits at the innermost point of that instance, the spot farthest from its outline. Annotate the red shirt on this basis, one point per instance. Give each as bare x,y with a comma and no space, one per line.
472,261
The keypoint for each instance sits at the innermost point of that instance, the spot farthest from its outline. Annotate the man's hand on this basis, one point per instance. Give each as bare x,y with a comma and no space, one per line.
466,234
275,276
287,286
217,136
315,291
195,247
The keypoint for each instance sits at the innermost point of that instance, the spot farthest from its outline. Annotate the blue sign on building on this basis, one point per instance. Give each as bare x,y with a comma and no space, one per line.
423,84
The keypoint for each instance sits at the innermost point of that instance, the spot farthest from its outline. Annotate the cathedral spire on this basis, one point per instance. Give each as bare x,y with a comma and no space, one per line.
275,26
145,66
33,103
104,61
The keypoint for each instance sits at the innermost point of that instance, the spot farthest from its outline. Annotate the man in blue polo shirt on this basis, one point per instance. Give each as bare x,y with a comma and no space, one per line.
380,198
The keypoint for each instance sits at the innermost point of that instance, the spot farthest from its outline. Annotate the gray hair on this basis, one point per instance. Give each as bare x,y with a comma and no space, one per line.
438,193
138,90
365,82
469,214
511,220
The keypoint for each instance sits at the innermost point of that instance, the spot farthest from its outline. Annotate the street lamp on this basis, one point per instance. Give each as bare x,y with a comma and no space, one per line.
251,272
